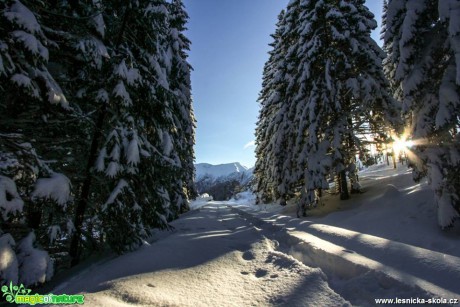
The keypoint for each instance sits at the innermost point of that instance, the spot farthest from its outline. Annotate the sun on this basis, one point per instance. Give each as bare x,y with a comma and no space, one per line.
401,144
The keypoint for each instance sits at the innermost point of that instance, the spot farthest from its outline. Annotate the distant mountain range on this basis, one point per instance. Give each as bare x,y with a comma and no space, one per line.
222,181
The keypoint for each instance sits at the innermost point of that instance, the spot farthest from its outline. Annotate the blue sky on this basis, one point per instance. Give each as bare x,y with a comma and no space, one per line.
229,48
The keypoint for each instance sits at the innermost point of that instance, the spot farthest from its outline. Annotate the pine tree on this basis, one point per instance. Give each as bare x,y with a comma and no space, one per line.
422,40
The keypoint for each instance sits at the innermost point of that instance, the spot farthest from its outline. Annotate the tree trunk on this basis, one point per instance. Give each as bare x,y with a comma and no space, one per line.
74,250
353,168
343,185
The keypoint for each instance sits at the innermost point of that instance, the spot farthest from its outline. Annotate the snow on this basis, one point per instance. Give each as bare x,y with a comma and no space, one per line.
156,9
383,243
99,24
53,232
115,153
132,153
246,197
131,75
100,162
57,188
102,96
231,259
430,98
112,169
200,201
122,184
22,80
448,98
446,212
55,94
220,170
95,47
35,266
23,17
70,226
10,201
167,144
31,43
8,260
160,72
120,91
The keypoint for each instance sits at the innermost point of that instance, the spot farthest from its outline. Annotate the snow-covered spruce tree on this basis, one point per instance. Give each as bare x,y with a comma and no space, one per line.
29,93
340,88
389,66
29,96
422,39
180,85
138,157
274,132
75,30
270,99
175,125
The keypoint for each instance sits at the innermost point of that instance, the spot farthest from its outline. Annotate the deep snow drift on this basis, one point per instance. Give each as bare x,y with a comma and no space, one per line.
383,243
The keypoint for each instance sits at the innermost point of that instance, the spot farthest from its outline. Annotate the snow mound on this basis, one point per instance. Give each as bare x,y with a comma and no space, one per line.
246,197
35,266
200,201
8,260
23,263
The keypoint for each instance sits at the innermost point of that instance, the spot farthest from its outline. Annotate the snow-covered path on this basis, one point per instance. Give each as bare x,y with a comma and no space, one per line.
216,257
381,244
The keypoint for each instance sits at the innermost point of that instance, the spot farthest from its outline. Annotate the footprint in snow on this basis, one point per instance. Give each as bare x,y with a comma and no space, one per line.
261,273
248,256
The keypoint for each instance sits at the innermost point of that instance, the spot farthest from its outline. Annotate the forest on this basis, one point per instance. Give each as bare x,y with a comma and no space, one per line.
97,126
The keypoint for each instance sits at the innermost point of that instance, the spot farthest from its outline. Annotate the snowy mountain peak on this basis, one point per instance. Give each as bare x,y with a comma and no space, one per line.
220,170
220,181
